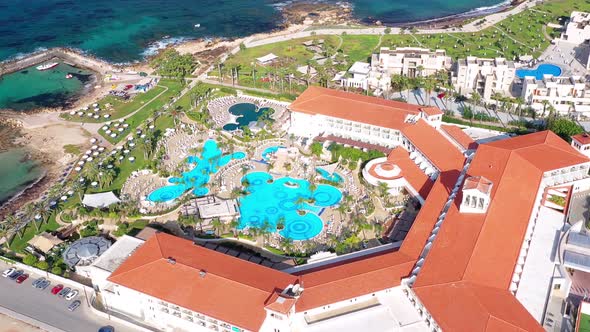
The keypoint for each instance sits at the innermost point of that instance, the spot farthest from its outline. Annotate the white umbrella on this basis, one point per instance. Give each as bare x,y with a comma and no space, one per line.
80,113
94,147
81,163
131,159
89,159
119,147
94,184
108,131
94,105
78,169
113,135
96,117
120,129
72,112
106,116
95,154
105,128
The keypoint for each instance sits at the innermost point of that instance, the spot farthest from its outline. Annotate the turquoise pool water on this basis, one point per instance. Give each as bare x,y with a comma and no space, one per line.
211,160
334,177
270,201
245,113
544,69
270,150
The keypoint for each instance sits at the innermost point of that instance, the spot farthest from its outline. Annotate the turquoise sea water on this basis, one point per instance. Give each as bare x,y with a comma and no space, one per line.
16,173
31,88
271,200
122,30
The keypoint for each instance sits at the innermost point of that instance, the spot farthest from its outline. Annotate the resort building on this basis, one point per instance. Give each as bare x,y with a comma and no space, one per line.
483,76
581,142
356,77
480,255
409,61
568,95
577,30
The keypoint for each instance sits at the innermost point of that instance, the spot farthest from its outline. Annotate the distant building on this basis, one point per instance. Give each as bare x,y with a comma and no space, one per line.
44,242
577,30
267,59
410,61
568,95
581,143
210,207
357,76
484,76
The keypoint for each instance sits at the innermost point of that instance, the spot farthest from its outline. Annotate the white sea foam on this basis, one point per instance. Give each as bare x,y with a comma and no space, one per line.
156,46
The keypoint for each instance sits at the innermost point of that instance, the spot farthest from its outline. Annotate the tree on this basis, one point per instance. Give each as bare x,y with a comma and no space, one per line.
56,270
171,64
316,149
43,265
564,128
30,259
217,225
429,84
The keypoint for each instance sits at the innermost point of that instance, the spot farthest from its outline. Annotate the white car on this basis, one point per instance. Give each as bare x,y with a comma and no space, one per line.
72,294
8,272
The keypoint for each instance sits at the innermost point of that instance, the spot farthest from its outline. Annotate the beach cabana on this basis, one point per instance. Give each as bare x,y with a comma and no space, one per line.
265,60
100,200
44,242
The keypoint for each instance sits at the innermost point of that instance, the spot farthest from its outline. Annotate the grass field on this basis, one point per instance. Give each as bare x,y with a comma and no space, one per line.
19,243
517,35
174,88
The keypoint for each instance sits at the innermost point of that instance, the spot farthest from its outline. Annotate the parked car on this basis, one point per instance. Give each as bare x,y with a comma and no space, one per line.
16,274
22,278
64,292
36,283
74,305
107,328
71,294
44,284
57,289
8,272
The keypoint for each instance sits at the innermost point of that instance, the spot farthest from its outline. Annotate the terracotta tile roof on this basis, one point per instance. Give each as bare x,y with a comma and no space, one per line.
459,136
232,289
481,308
431,110
478,252
280,303
410,171
384,113
478,182
582,138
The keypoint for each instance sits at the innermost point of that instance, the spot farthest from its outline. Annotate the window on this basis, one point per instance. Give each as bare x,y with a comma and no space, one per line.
277,330
557,286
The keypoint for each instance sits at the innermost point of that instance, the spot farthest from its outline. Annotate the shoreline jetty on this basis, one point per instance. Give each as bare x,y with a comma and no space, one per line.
70,56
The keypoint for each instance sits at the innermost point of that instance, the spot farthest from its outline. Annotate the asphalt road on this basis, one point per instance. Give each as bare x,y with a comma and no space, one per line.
50,309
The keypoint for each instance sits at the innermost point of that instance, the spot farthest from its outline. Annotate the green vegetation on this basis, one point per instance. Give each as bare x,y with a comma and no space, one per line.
19,241
72,149
564,128
316,149
352,155
584,323
90,228
557,200
30,260
171,64
130,228
469,114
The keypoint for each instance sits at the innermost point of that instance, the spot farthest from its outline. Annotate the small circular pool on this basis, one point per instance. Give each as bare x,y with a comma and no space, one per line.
302,227
540,71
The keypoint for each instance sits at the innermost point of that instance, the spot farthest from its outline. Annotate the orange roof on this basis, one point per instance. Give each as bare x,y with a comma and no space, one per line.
431,110
459,136
478,182
232,290
582,138
384,113
281,303
481,250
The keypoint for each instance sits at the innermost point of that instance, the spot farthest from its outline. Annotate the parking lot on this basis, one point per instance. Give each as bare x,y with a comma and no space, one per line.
50,309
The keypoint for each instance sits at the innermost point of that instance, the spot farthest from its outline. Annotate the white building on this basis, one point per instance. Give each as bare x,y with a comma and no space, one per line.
568,95
410,61
484,76
357,76
578,28
581,143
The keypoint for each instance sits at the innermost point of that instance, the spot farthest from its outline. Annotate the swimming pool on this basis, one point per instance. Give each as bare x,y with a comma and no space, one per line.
245,113
270,150
272,200
211,160
334,177
544,69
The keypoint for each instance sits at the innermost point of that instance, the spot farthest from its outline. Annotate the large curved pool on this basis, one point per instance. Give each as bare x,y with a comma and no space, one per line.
211,160
270,150
332,177
270,201
540,71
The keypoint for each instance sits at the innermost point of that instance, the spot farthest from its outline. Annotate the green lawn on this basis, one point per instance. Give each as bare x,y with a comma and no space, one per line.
119,107
19,243
584,323
174,88
359,47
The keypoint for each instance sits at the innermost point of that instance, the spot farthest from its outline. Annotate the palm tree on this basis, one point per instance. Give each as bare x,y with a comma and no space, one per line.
382,188
217,225
219,64
429,84
233,224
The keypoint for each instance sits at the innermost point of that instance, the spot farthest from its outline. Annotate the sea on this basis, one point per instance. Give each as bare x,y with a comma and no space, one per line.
124,31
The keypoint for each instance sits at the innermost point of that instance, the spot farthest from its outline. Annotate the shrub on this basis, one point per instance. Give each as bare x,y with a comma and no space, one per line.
43,265
30,260
56,270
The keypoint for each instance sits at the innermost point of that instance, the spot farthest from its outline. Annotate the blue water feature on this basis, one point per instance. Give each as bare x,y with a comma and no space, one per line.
245,113
270,150
334,177
271,200
544,69
211,160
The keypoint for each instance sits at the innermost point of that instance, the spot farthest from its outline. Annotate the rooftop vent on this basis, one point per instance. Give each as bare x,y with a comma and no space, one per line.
202,273
171,260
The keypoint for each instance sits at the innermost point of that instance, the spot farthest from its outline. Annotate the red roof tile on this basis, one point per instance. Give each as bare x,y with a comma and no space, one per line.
232,290
582,138
459,136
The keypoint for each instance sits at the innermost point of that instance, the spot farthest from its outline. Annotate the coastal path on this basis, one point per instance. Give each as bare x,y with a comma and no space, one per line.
474,26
